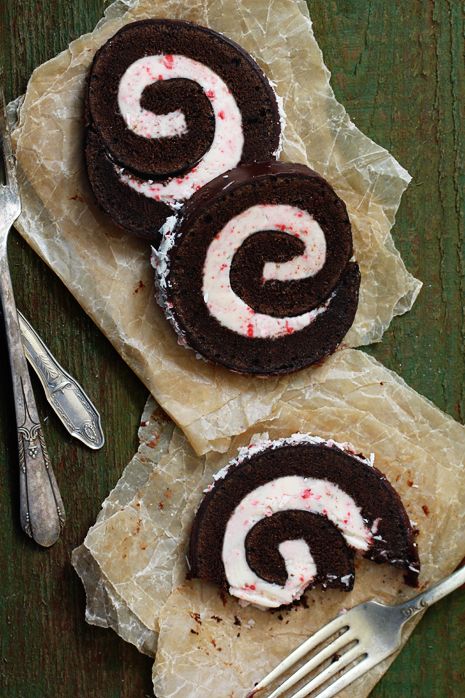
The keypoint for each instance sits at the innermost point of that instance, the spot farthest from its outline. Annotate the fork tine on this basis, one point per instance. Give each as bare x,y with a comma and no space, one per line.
338,644
350,676
10,168
320,636
329,672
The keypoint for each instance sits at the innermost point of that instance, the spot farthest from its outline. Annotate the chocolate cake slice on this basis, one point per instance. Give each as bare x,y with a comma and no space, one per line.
256,274
289,514
170,105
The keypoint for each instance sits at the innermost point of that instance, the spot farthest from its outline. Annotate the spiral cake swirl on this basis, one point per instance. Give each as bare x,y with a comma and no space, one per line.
256,274
289,514
170,106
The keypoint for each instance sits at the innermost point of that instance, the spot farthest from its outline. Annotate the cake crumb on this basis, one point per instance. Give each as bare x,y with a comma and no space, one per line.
139,286
77,197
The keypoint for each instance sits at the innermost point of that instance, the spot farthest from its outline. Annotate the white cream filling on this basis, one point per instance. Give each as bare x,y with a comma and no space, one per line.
230,310
283,494
226,149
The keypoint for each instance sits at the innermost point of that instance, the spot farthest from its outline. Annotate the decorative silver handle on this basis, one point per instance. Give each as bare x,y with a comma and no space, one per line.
63,392
430,596
41,509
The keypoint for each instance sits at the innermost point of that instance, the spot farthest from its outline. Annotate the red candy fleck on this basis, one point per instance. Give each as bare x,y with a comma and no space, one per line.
281,226
210,94
250,330
223,266
221,114
168,60
302,579
160,77
289,329
306,494
324,512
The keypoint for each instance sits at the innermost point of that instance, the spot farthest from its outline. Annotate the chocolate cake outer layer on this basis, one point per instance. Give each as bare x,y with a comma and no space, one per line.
128,209
381,508
164,157
337,283
114,152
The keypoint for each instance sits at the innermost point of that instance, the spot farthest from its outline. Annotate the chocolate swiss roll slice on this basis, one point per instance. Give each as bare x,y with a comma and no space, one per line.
171,105
289,514
256,273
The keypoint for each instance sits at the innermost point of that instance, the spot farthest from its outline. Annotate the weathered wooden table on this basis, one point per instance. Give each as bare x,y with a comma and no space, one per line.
398,68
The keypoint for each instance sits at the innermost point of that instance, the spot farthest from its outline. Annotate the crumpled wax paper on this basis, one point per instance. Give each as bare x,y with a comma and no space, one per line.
109,272
207,642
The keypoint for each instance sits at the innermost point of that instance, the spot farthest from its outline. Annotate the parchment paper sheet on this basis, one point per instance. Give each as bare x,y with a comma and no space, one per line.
138,544
109,272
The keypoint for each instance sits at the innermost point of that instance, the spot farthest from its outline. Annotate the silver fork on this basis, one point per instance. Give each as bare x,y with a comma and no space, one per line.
41,509
364,636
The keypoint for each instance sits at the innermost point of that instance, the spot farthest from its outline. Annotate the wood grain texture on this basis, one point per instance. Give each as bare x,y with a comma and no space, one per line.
398,68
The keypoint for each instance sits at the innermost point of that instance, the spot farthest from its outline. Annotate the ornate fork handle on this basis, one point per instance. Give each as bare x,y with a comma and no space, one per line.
41,508
62,391
433,594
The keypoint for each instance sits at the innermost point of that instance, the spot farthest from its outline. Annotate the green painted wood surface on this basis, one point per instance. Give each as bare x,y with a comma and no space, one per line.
398,68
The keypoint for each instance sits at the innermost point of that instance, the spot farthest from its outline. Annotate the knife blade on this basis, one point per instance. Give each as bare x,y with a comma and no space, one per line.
64,394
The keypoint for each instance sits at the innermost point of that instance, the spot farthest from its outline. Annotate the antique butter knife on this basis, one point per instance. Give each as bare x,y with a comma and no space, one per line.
63,392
